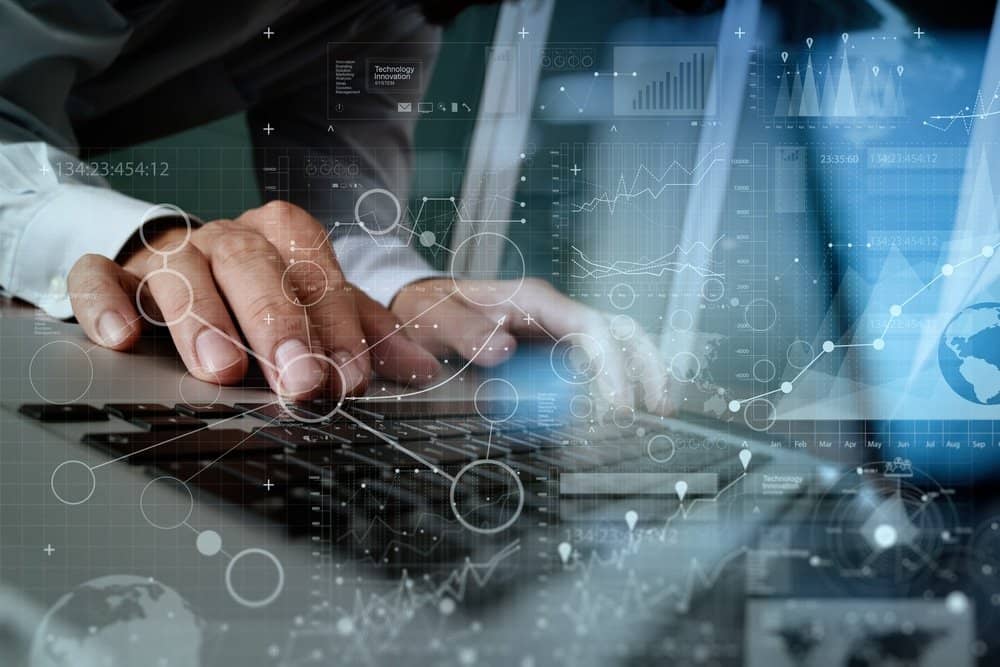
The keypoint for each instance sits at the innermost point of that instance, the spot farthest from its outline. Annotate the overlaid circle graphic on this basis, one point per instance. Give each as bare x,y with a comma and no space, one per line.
685,367
169,512
496,389
73,482
366,215
577,358
764,370
622,327
304,283
189,386
713,290
760,414
159,212
581,406
622,296
273,564
800,354
481,498
311,413
61,372
482,290
661,448
164,272
760,315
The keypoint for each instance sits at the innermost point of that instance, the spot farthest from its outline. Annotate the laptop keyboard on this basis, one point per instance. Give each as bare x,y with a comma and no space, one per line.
387,469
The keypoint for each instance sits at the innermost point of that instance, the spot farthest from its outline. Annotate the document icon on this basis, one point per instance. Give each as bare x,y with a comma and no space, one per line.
404,107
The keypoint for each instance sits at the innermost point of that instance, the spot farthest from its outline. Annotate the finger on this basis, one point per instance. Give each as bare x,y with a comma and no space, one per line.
452,326
248,271
396,356
189,304
645,364
103,298
315,277
545,307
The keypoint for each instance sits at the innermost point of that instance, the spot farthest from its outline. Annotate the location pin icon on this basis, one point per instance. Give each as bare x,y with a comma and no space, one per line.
681,488
875,70
809,42
565,551
899,70
745,456
784,56
630,518
845,37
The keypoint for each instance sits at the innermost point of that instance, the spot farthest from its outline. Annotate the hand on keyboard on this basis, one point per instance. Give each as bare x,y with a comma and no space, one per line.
294,316
612,353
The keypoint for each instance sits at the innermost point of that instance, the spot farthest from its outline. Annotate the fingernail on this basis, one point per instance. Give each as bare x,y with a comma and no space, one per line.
111,327
354,373
215,352
298,373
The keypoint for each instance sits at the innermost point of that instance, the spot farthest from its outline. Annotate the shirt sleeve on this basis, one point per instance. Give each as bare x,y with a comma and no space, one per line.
52,211
333,161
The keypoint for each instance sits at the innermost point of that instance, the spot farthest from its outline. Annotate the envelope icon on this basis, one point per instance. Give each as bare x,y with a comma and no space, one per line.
404,107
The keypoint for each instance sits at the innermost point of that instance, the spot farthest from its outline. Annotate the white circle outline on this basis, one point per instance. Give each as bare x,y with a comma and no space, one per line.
263,602
722,291
184,401
626,330
809,347
630,418
322,293
90,381
589,403
285,400
506,524
746,412
177,211
378,191
555,346
631,299
746,315
697,365
649,448
753,370
475,400
179,523
520,281
93,483
164,323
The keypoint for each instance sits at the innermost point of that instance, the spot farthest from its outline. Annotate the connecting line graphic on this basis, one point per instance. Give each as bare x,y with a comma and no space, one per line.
895,311
270,422
625,192
967,116
432,387
395,444
404,325
590,89
182,435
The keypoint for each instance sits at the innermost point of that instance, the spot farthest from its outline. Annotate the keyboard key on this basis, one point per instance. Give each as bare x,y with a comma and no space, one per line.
167,422
301,437
73,412
206,410
271,412
153,446
127,411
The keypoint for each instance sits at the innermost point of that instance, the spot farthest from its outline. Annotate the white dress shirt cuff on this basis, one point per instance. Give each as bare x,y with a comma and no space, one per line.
73,221
380,271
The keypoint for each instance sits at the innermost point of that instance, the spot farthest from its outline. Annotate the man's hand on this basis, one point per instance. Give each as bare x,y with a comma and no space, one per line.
617,355
269,275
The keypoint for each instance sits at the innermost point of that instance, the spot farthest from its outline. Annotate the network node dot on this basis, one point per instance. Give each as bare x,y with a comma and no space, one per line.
947,270
734,406
895,310
786,387
562,89
879,344
988,251
828,346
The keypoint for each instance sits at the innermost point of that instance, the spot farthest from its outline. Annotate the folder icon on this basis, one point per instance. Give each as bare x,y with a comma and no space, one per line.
404,107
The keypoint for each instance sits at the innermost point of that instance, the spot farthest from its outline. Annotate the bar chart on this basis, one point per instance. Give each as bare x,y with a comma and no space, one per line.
664,80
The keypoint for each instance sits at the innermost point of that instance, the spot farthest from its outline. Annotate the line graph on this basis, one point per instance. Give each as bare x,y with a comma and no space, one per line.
967,116
675,175
657,268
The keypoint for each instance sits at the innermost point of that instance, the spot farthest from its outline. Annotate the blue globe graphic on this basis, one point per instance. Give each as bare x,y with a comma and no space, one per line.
969,354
